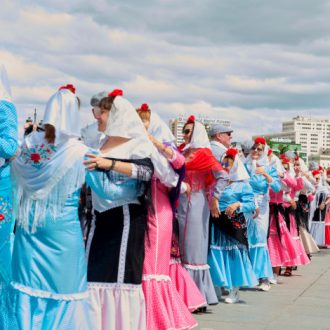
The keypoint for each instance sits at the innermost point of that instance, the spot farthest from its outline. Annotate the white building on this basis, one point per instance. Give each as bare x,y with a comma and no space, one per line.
176,125
311,133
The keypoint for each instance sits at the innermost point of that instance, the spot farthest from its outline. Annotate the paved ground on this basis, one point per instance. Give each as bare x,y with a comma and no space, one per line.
298,302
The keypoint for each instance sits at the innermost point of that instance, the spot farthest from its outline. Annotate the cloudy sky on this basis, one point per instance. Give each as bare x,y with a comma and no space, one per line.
253,62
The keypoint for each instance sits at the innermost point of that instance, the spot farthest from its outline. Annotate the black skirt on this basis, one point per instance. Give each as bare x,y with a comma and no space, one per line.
117,248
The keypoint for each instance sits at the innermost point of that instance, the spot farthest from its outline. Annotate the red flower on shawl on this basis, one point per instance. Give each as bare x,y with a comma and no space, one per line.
231,152
316,172
270,151
285,160
35,157
260,139
116,92
144,107
2,217
70,87
191,119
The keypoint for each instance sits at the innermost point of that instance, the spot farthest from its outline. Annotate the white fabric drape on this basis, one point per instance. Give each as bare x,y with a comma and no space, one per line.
199,137
5,91
160,130
62,112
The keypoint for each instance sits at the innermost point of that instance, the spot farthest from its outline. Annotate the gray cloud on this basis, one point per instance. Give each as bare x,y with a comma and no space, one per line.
266,61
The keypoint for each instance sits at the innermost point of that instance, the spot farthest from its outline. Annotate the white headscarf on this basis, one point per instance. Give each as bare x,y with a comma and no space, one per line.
263,160
5,92
238,171
199,138
45,185
62,112
159,129
276,162
123,120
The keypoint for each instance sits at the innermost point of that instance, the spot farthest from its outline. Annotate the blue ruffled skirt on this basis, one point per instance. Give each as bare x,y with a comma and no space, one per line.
229,262
258,248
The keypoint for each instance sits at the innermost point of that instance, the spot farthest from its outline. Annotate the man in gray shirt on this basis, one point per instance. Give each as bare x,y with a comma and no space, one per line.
220,139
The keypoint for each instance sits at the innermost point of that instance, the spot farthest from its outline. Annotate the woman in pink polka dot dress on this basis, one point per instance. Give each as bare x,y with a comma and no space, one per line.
164,306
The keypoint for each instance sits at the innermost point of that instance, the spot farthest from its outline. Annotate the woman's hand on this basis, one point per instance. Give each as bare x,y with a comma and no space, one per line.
95,162
322,206
188,190
260,170
256,213
214,207
232,208
293,204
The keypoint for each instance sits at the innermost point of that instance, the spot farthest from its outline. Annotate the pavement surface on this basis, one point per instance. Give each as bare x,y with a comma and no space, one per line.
301,301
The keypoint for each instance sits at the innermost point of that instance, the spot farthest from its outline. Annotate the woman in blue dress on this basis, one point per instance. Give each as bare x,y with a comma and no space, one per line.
263,176
49,263
8,148
228,258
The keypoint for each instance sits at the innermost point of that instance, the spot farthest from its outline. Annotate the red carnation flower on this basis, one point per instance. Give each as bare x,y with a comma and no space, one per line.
285,160
328,171
281,156
144,107
70,87
260,139
270,151
316,172
2,217
116,92
35,157
231,152
320,168
191,119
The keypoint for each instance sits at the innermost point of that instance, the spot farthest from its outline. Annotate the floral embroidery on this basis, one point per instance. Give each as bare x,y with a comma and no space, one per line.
38,155
5,209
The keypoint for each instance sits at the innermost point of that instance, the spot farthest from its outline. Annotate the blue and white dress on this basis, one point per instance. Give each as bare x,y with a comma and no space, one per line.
8,147
230,266
49,262
116,246
258,227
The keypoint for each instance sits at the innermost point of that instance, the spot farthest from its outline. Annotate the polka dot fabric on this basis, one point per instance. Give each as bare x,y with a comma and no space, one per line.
164,306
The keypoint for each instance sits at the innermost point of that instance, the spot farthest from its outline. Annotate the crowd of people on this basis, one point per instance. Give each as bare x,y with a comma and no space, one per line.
170,229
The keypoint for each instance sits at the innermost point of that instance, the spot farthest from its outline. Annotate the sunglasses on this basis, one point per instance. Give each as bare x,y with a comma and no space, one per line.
257,148
186,131
228,133
225,165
